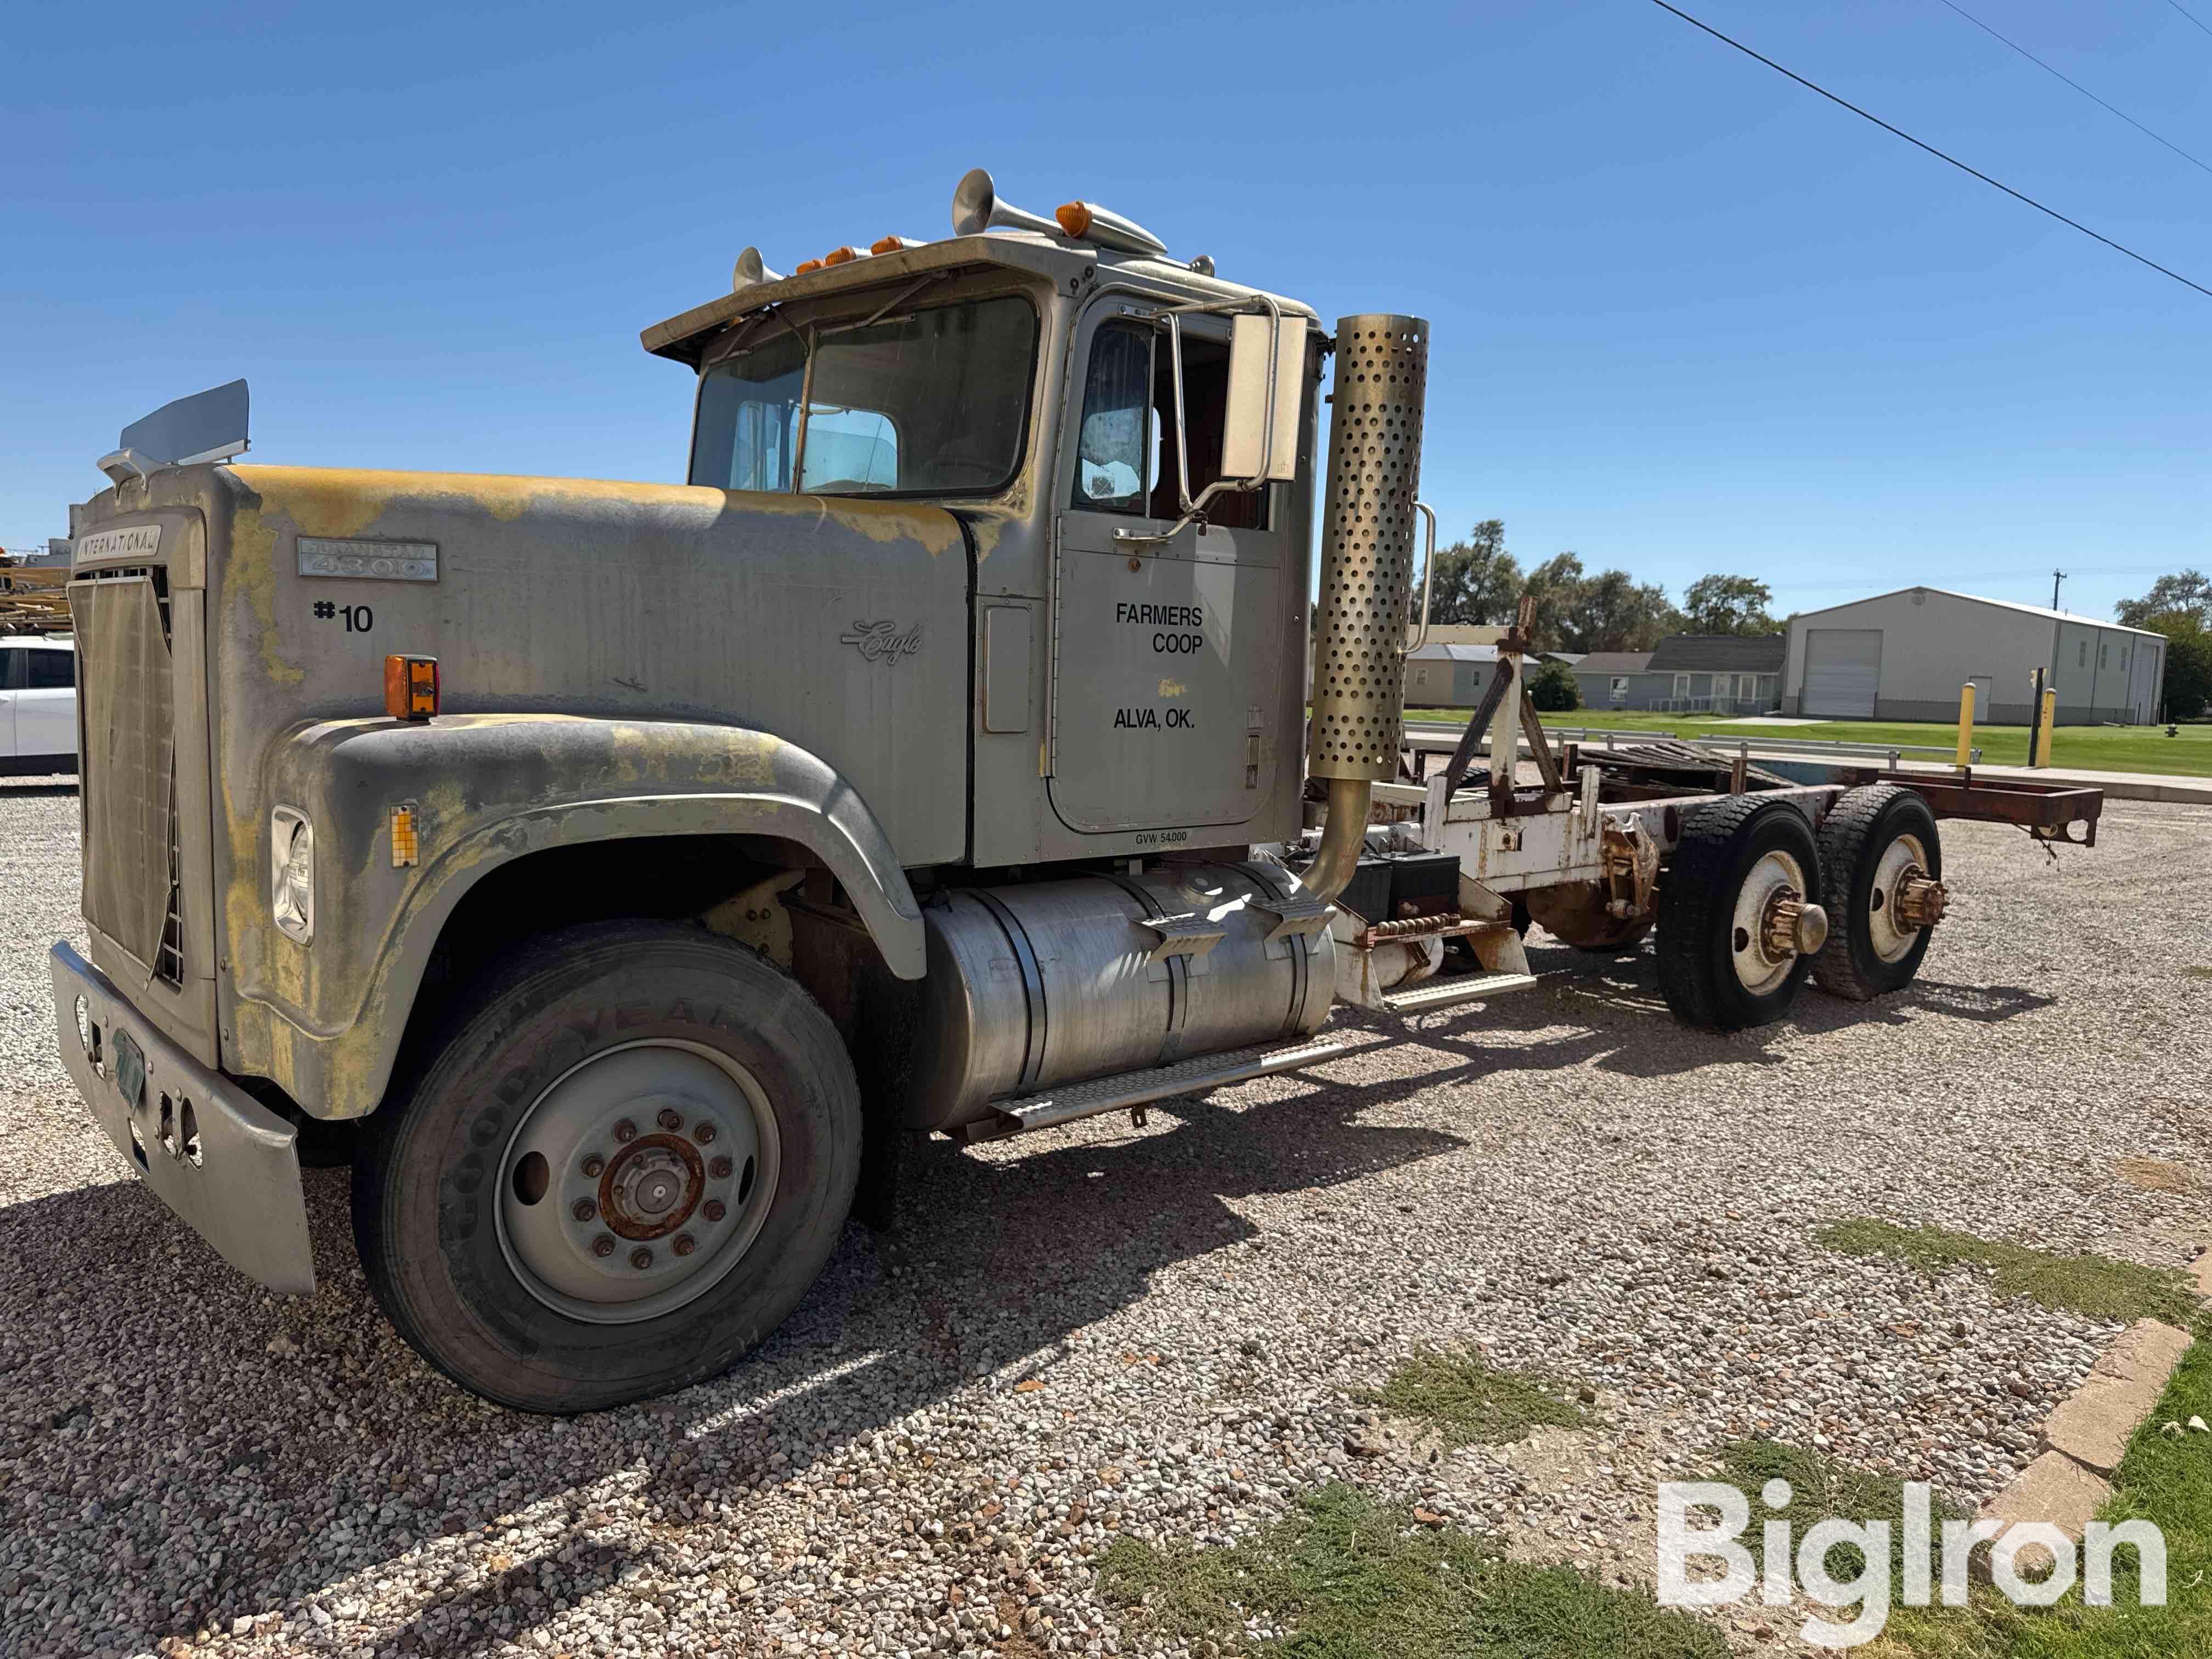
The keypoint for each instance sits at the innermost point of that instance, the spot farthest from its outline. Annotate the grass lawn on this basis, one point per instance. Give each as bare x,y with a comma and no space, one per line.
1348,1576
2091,748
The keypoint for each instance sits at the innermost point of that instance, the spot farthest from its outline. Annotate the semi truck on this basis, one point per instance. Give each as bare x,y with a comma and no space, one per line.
614,874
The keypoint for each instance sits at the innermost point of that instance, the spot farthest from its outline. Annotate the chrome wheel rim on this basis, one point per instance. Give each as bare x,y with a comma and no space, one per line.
636,1180
1775,877
1904,858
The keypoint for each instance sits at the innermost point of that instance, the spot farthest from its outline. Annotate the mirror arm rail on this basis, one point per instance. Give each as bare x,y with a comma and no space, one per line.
1193,512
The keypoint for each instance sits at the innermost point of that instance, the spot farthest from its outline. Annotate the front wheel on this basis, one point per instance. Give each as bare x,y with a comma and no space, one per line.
614,1176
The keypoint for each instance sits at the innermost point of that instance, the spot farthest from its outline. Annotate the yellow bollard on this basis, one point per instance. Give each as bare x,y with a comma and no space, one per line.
2050,718
1966,726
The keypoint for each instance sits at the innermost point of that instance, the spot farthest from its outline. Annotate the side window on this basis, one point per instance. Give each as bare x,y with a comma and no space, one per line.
2084,661
1112,457
11,667
1126,454
50,671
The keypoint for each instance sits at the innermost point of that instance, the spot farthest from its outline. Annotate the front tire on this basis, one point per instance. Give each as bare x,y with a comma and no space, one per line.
615,1174
1738,865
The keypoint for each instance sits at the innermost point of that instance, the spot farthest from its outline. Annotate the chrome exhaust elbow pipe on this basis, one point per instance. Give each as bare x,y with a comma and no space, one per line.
1367,568
1343,838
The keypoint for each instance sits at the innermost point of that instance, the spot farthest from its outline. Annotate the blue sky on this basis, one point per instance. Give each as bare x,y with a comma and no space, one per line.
1687,317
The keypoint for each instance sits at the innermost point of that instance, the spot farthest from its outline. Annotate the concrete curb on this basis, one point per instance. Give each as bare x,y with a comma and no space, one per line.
2085,1439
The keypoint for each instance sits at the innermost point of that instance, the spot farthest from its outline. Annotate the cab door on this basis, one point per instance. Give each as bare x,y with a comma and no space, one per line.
1166,656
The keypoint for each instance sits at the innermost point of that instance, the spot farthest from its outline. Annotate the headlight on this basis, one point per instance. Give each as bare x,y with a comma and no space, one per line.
292,873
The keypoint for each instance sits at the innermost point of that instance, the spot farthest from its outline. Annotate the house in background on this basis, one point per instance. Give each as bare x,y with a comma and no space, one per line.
1687,674
1906,655
1455,676
1719,673
1616,679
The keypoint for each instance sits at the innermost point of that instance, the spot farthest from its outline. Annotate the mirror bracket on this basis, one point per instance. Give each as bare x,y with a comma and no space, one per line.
1193,512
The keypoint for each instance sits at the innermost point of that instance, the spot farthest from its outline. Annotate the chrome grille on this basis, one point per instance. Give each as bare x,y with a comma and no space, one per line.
131,852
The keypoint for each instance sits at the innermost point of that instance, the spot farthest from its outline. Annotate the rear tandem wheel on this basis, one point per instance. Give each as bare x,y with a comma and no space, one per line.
1881,868
1737,914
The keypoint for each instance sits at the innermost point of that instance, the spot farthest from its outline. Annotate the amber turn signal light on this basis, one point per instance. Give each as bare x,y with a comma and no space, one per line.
1074,217
410,687
806,266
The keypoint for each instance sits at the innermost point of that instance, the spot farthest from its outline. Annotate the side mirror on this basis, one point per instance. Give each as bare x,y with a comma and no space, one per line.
1266,385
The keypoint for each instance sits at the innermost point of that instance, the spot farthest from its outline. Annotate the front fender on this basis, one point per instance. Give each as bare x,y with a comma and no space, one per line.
325,1019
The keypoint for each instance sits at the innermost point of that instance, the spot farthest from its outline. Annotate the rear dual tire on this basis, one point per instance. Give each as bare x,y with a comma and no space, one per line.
1732,858
614,1175
1873,836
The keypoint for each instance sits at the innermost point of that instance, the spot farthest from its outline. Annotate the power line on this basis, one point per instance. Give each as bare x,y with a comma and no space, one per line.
2076,85
1900,133
2190,15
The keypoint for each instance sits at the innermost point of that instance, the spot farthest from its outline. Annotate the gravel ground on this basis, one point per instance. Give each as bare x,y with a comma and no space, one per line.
1163,1331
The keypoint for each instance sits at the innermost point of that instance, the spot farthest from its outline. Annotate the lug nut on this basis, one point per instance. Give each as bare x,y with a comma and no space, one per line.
640,1258
714,1209
720,1168
584,1209
702,1132
593,1165
684,1245
625,1130
670,1119
603,1245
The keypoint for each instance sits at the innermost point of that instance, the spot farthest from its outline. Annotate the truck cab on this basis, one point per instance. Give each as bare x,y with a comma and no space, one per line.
902,770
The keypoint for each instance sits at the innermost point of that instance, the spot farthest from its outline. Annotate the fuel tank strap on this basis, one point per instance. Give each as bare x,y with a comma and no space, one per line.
1178,967
1292,917
1032,984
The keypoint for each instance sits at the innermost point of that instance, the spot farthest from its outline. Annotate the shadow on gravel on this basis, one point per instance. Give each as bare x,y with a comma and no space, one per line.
205,1452
201,1450
14,788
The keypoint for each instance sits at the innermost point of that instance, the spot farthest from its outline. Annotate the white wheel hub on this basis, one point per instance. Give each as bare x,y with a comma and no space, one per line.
636,1180
1902,900
1773,923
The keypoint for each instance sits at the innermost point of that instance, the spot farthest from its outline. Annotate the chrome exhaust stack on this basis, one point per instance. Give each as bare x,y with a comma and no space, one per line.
1367,566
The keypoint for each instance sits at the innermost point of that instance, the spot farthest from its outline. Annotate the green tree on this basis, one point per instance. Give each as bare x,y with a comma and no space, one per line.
1613,612
2179,606
1730,604
1556,585
2187,594
2187,688
1477,580
1553,689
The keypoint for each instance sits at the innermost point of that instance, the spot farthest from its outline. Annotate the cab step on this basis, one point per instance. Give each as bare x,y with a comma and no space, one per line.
1151,1083
1452,991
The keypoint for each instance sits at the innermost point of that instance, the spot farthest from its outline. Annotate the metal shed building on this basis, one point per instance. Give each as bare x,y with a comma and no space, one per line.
1904,656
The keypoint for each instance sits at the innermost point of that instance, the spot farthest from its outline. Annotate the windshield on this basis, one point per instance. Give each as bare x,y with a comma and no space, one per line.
932,403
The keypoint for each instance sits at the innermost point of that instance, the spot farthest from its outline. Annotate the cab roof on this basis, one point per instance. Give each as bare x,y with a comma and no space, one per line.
684,337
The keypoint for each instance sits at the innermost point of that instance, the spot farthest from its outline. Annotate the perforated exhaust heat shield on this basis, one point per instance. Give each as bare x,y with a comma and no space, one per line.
1367,547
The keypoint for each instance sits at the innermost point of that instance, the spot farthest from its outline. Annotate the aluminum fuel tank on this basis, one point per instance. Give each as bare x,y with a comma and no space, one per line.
1031,986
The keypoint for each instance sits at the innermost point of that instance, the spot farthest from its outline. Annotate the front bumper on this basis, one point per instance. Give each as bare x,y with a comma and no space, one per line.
218,1157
